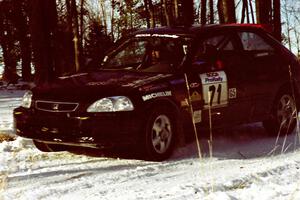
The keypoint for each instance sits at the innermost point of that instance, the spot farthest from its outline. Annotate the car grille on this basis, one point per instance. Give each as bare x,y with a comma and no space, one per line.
52,106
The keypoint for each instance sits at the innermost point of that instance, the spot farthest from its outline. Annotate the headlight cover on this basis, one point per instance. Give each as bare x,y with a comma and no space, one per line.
111,104
27,99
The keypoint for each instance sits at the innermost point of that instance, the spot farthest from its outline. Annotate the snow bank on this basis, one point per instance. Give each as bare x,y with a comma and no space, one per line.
9,99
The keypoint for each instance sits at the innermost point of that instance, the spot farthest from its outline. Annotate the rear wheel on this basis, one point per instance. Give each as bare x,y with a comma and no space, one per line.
284,115
47,147
160,134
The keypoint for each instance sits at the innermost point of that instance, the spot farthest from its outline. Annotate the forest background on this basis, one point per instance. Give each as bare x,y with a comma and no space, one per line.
43,39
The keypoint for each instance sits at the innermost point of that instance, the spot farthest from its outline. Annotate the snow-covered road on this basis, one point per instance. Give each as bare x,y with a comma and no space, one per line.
245,165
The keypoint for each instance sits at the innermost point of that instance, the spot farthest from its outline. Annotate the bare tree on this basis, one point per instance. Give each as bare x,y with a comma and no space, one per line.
8,39
112,19
263,11
245,12
165,10
176,11
152,16
221,12
146,5
203,11
20,20
251,11
211,12
76,39
149,9
277,19
288,28
43,30
73,30
81,22
226,10
104,16
188,12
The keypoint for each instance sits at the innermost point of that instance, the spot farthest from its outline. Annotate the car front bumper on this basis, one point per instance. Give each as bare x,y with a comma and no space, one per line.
99,130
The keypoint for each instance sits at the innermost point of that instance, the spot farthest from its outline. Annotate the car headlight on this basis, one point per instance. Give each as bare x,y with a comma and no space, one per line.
111,104
27,99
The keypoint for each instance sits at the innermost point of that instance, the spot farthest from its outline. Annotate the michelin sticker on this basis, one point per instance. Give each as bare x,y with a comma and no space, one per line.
156,95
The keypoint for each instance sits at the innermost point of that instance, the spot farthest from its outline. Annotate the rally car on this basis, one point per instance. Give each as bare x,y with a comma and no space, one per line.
159,82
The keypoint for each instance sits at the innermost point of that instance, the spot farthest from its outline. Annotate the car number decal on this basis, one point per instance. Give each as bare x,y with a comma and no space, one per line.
214,87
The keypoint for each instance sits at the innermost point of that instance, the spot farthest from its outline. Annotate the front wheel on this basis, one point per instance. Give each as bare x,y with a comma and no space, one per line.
284,115
160,134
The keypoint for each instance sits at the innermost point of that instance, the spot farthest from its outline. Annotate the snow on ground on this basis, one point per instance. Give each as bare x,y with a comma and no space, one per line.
9,99
245,165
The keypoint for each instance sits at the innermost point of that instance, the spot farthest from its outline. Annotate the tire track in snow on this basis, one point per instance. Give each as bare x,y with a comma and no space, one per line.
68,173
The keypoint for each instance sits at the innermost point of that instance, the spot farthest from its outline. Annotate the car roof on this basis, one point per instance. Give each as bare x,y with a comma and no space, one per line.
200,29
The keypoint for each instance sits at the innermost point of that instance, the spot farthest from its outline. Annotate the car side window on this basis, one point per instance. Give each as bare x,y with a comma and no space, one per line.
219,42
213,51
261,60
162,54
253,42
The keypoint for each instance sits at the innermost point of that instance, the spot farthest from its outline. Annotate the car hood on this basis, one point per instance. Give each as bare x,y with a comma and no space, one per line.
87,86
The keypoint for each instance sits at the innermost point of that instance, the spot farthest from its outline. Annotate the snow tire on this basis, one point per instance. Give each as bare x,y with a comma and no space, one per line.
160,134
284,114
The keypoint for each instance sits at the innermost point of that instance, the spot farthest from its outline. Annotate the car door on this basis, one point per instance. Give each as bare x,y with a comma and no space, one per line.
261,74
223,95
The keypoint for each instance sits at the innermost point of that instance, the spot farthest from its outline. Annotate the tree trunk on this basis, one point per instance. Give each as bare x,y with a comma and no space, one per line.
176,12
43,25
252,12
104,17
221,12
203,12
166,14
226,10
245,12
229,11
147,13
188,12
288,25
277,20
81,25
7,40
263,11
9,57
129,10
112,24
76,38
26,58
211,12
21,25
297,37
152,16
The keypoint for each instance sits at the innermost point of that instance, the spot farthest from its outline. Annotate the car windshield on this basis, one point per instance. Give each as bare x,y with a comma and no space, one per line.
147,54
